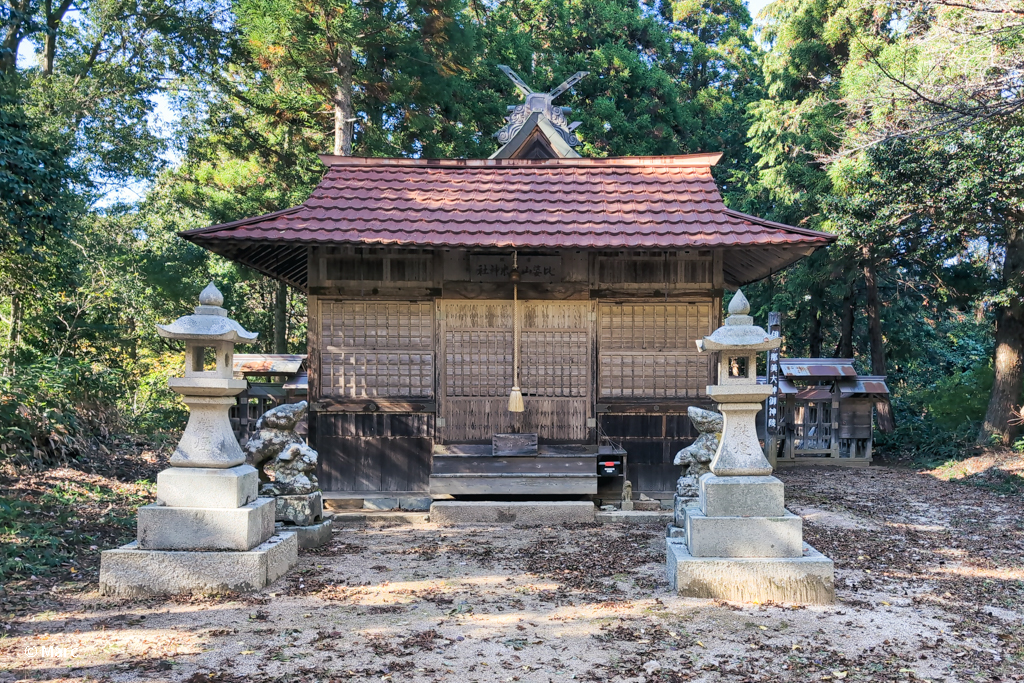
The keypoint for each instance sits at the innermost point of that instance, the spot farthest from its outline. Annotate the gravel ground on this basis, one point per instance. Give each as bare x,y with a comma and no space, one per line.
929,575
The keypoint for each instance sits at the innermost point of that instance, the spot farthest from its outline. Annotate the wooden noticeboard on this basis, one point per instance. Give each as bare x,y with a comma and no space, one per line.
489,268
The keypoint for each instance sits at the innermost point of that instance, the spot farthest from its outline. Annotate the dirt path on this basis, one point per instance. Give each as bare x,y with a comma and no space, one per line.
930,580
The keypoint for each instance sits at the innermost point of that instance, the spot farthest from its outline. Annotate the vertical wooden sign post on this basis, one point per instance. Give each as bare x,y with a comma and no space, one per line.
771,412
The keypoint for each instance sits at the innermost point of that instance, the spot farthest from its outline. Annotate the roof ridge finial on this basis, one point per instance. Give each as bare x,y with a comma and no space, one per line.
541,103
211,296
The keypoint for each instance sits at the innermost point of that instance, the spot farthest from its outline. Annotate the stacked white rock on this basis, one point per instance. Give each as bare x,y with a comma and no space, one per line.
208,530
286,457
696,461
740,543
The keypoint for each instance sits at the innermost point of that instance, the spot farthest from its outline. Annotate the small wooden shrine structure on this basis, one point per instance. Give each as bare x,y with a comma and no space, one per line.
826,412
271,379
408,266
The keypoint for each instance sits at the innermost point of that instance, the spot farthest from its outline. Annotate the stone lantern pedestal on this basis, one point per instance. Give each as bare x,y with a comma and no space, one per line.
740,543
209,530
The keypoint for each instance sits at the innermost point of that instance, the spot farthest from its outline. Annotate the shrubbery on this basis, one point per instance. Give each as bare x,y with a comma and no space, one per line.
50,410
938,422
55,409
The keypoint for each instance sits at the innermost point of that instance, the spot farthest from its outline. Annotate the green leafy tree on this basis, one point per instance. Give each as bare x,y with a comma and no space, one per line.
950,83
383,73
715,64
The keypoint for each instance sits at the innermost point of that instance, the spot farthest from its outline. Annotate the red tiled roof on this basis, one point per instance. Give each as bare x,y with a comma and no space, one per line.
620,203
638,202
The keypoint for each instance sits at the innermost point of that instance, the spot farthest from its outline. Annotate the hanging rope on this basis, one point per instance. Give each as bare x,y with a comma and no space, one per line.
515,397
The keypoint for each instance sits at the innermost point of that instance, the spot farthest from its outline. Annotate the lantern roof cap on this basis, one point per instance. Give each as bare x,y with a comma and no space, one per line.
210,322
739,333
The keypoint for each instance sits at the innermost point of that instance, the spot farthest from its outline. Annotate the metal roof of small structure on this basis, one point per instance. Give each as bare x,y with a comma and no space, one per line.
867,386
268,363
643,203
298,383
863,386
816,368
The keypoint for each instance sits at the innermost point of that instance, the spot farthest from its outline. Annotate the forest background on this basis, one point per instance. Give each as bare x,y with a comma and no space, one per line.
895,125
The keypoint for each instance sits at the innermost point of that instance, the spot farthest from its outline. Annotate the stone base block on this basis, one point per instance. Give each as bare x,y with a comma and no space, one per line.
310,535
679,515
673,531
453,512
244,528
679,505
744,536
415,504
807,579
333,503
742,496
131,572
633,517
204,487
302,509
380,503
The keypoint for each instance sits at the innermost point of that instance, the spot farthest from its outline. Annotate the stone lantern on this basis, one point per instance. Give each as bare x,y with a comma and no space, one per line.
738,394
209,530
208,388
739,542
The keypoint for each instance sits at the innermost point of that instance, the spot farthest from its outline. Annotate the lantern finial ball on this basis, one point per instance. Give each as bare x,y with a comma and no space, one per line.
211,296
739,304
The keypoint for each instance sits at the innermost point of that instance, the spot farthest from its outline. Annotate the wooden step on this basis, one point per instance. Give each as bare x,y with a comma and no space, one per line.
469,484
513,465
554,469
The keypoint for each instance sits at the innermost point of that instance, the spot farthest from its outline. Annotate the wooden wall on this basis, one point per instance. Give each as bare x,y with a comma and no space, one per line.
412,347
647,350
374,451
651,441
475,347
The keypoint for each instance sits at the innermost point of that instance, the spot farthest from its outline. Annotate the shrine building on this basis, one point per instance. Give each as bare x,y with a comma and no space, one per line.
428,279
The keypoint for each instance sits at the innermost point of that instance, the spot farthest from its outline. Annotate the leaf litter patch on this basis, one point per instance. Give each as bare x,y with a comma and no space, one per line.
925,593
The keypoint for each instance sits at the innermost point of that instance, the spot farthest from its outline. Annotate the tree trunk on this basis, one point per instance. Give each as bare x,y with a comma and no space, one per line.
14,334
886,421
343,113
1007,384
281,319
54,18
874,314
815,338
50,42
844,349
13,35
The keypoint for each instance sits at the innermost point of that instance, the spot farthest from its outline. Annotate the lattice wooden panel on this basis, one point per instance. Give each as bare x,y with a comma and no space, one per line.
554,369
478,362
653,375
358,374
555,364
377,349
377,325
653,327
554,349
